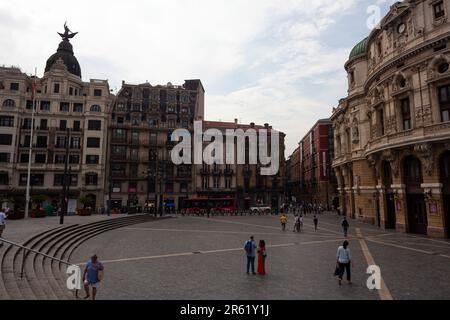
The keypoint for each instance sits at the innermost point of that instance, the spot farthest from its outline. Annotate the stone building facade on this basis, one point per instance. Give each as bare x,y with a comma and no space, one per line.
68,111
140,170
242,181
392,131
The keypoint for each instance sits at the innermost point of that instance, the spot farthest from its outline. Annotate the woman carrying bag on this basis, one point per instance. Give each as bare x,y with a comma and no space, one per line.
262,255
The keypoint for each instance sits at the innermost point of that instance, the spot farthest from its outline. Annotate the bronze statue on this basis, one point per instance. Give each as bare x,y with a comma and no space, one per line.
67,33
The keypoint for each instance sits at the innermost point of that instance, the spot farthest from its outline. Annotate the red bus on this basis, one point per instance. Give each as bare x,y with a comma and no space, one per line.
216,205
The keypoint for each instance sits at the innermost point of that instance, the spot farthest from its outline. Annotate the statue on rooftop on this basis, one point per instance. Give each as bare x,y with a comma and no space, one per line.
67,33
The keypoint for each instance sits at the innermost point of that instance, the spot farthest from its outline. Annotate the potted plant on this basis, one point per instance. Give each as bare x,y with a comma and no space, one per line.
38,211
86,211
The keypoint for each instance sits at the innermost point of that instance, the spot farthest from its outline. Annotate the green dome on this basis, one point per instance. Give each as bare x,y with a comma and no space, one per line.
359,49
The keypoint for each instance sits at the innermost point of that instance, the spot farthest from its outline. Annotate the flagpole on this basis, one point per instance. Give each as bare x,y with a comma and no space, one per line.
30,151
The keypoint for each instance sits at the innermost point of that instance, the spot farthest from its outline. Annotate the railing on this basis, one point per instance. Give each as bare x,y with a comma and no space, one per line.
26,249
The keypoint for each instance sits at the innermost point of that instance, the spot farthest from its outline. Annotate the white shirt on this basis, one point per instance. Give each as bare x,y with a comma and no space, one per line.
2,219
344,255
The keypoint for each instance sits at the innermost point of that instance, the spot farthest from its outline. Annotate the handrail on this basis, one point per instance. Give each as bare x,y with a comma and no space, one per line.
25,249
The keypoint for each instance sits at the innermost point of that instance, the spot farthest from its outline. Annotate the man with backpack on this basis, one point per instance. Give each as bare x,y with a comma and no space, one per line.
250,251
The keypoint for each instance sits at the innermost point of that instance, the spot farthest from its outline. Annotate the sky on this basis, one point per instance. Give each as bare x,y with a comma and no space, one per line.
265,61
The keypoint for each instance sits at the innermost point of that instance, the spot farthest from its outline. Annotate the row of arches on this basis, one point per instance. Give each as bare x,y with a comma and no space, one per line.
412,178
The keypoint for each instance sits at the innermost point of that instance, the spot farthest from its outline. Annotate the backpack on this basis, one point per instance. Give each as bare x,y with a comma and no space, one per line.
248,247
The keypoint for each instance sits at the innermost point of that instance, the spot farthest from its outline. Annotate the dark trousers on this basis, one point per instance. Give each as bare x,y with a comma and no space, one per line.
345,231
345,267
283,226
250,262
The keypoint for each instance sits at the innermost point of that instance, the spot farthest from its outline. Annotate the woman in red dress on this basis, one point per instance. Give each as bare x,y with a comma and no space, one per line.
261,257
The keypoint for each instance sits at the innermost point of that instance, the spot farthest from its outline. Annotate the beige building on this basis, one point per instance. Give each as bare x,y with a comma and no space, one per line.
392,131
68,112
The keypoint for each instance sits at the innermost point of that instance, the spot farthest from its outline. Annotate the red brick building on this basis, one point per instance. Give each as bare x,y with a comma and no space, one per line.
316,179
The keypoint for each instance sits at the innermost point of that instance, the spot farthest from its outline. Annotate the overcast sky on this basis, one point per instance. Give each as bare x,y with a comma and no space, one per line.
274,61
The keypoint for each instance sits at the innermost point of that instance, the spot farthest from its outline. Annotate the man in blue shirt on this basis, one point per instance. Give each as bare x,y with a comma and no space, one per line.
91,276
250,251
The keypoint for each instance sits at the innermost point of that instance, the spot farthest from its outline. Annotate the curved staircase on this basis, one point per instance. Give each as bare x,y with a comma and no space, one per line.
44,278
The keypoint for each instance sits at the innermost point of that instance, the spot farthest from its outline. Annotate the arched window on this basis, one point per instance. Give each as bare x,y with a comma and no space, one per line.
96,108
9,103
413,171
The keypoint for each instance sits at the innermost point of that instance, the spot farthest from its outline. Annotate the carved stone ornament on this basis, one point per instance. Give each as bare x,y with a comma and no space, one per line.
392,157
425,152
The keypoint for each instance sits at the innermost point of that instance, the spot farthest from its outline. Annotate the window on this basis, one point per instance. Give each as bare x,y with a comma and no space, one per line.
406,113
63,125
118,170
5,139
64,107
41,141
60,158
134,154
205,182
93,142
75,142
40,158
74,159
4,179
29,104
171,123
58,179
216,181
24,158
228,182
61,142
118,151
45,105
36,179
153,138
119,134
185,124
135,137
91,179
77,107
9,103
76,125
14,86
96,108
56,88
439,10
43,124
4,157
443,67
70,91
380,120
97,92
444,102
95,125
6,121
120,120
92,159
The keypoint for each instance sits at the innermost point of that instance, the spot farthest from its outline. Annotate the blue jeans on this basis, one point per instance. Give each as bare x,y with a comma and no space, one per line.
250,262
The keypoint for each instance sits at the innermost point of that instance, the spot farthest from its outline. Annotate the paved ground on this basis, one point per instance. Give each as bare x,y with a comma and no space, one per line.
201,258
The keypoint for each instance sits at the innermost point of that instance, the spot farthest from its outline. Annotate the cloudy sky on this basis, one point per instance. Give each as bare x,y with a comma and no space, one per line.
274,61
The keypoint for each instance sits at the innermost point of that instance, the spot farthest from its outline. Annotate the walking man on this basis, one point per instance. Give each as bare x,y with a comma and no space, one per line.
345,226
93,274
250,251
316,222
283,220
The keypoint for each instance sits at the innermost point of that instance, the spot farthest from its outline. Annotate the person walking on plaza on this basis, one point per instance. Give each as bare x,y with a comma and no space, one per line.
345,225
296,223
283,220
316,222
250,251
93,274
262,257
3,217
344,261
300,224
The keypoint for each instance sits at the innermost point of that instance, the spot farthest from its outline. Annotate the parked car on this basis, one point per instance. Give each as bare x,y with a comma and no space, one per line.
260,209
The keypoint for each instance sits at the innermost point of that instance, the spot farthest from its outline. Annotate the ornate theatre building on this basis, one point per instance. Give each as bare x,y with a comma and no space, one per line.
392,131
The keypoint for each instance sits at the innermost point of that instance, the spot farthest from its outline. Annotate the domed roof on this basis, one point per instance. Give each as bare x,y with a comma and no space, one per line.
65,53
359,49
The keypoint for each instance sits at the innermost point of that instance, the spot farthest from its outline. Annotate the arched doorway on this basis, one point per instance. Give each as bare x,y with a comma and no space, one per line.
444,165
389,210
415,200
